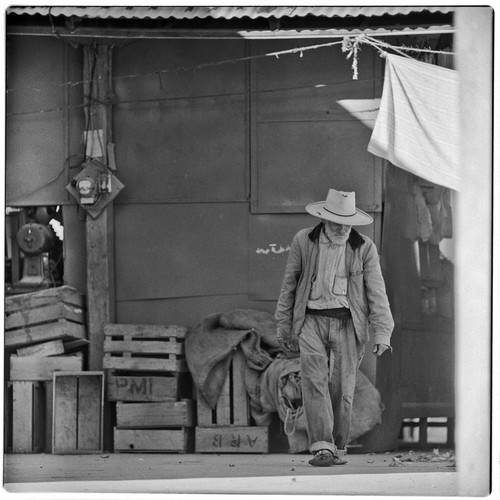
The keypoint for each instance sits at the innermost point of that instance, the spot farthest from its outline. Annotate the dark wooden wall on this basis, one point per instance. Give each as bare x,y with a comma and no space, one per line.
218,164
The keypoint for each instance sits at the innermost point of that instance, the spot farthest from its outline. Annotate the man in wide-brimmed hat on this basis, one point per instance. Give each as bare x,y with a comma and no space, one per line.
332,291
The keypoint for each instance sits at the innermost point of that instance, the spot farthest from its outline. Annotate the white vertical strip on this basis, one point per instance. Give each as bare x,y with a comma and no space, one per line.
474,251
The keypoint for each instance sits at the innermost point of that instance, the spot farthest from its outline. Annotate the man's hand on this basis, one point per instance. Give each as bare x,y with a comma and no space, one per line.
288,344
379,349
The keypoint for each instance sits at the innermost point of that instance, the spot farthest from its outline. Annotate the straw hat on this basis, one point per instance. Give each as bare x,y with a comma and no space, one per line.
340,207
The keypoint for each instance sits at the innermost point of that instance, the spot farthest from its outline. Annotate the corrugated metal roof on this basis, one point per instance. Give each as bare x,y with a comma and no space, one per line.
221,12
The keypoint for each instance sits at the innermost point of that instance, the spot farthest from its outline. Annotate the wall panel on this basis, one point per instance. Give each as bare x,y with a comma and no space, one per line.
181,136
44,120
305,135
180,250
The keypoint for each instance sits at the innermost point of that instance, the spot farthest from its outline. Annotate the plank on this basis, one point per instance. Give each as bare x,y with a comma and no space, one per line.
75,345
232,439
49,397
45,314
153,440
205,413
28,417
144,364
223,409
65,294
99,231
42,368
171,346
65,414
61,329
22,417
52,348
145,331
154,415
239,392
143,388
90,403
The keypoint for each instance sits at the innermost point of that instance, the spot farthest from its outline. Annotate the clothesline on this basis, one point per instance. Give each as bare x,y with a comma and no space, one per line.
349,44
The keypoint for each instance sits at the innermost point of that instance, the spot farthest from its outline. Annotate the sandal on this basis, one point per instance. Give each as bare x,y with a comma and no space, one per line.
323,458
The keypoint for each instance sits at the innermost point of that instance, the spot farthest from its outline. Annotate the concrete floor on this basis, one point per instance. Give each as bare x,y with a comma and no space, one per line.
365,474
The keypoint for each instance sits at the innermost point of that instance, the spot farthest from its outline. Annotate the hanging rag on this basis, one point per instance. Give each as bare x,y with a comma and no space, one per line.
417,124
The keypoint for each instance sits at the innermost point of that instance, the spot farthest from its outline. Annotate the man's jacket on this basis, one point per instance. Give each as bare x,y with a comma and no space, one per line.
365,290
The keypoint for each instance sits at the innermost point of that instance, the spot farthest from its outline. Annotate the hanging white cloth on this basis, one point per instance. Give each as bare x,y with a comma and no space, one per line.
417,124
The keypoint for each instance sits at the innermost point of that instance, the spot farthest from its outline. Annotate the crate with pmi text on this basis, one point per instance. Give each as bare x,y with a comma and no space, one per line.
148,387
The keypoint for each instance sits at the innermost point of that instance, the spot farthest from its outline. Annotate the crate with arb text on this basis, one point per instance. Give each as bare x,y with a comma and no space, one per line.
232,439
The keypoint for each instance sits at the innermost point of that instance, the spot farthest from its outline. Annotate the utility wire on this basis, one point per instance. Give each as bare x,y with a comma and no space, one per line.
369,40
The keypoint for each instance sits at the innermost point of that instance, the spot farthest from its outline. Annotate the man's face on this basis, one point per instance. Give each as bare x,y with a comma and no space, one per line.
338,230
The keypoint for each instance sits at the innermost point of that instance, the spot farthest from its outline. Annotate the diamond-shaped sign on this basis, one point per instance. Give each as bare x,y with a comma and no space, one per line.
94,172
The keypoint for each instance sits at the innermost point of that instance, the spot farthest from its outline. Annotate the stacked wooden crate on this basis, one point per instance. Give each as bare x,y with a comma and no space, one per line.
76,402
43,334
227,428
149,382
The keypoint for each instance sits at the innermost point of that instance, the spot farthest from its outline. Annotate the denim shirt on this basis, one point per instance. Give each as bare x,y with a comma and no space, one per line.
365,287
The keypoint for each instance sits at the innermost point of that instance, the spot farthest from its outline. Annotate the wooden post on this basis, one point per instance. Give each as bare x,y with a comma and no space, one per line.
99,231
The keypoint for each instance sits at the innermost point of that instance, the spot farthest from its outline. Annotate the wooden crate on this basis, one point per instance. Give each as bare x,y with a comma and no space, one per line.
232,407
170,386
54,313
52,348
154,415
232,439
154,440
144,348
42,368
77,412
28,417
